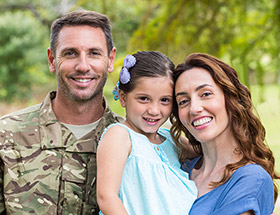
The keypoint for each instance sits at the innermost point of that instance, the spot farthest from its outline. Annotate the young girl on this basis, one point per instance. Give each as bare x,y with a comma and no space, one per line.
137,163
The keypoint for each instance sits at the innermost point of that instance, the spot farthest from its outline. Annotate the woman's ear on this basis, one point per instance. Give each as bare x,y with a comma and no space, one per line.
122,98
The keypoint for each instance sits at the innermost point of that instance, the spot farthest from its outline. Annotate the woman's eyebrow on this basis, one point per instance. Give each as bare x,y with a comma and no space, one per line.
196,89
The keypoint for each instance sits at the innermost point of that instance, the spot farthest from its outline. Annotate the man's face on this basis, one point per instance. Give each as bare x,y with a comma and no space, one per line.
81,63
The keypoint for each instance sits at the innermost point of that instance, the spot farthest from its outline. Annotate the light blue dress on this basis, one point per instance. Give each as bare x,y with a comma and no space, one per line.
152,181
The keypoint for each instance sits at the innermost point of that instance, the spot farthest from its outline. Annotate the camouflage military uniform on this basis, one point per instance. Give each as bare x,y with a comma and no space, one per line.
44,168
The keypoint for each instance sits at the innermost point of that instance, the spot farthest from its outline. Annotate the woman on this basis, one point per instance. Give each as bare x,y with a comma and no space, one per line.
214,110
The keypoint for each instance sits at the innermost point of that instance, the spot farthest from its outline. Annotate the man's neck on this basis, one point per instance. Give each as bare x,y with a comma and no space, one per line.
77,113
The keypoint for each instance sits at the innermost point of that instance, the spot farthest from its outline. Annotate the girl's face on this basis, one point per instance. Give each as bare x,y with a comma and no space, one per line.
201,104
148,105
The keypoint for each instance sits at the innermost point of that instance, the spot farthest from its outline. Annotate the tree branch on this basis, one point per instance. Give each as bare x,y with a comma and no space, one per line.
26,7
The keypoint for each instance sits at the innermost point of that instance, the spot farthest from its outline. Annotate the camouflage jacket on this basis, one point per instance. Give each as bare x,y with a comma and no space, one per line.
44,168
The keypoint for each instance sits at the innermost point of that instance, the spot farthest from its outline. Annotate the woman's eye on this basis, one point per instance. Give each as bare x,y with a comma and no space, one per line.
183,102
205,94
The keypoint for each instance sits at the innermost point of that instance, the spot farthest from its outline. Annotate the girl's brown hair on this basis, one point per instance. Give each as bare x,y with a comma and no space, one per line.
148,64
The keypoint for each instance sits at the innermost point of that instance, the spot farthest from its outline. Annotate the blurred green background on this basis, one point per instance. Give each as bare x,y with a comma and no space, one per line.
245,34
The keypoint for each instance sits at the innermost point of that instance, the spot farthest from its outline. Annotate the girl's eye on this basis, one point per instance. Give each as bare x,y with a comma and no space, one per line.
166,100
143,98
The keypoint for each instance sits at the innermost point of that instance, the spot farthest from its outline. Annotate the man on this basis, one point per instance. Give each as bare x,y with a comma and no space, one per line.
48,151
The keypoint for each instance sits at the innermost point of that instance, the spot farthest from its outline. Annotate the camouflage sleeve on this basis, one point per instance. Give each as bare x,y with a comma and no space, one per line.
2,205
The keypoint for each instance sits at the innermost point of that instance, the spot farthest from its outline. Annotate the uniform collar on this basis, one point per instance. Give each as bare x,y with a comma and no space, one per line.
55,135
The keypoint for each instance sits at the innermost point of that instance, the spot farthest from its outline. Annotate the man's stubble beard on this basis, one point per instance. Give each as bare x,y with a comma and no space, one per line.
68,93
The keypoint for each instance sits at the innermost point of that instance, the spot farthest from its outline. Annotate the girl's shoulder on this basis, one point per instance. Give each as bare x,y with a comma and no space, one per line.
116,129
115,125
119,126
123,132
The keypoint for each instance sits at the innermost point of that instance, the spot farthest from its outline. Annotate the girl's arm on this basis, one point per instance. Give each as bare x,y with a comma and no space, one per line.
112,153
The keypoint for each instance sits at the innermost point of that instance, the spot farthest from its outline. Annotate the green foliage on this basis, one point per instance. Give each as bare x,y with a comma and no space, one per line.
124,16
21,39
244,33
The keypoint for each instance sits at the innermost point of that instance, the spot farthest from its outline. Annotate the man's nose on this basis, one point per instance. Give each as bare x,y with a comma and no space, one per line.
82,64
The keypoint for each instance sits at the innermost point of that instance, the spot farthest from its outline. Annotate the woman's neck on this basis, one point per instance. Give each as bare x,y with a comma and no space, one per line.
216,155
219,152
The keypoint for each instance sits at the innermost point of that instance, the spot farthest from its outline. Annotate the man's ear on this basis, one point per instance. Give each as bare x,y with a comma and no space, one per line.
112,57
51,60
122,98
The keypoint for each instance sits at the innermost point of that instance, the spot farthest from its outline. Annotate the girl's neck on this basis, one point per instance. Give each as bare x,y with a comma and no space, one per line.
154,138
158,139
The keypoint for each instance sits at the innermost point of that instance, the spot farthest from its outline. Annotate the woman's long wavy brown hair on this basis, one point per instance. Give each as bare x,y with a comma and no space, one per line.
247,128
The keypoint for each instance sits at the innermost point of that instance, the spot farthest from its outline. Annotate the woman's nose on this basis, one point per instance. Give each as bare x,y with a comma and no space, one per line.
195,106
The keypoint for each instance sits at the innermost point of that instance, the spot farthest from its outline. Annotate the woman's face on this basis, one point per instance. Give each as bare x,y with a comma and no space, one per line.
201,104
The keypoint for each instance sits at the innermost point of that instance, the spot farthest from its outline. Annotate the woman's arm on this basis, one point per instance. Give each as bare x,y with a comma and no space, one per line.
112,153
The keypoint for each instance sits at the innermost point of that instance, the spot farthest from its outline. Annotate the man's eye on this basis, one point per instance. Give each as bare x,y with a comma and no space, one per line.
95,53
69,53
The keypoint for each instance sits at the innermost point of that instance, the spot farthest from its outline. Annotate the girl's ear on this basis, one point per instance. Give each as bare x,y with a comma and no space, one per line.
122,97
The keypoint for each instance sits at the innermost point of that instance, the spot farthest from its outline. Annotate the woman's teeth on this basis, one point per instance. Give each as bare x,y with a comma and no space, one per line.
202,121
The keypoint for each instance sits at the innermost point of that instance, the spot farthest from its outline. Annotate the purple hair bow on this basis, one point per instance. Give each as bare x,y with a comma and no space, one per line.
129,61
